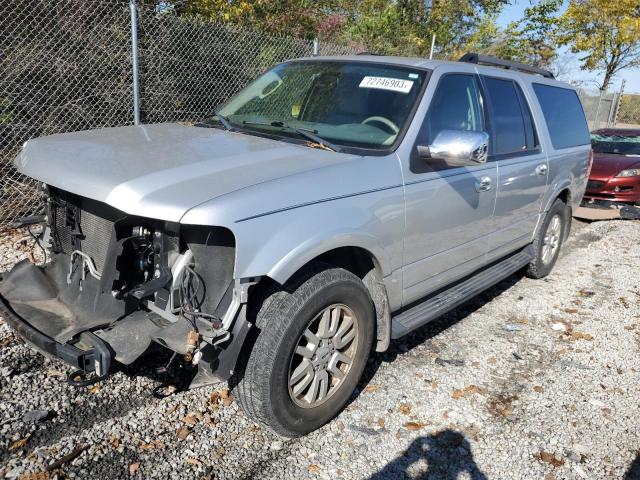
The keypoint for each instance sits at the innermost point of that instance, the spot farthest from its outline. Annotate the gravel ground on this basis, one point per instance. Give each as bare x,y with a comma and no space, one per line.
533,379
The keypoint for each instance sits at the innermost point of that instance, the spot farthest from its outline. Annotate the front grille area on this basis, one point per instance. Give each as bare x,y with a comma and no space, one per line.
96,233
594,184
82,224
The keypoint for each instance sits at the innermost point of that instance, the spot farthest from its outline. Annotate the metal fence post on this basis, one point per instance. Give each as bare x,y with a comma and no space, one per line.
596,123
617,106
134,62
315,47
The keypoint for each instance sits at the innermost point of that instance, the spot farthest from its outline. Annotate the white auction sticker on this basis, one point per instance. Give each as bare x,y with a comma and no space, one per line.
385,83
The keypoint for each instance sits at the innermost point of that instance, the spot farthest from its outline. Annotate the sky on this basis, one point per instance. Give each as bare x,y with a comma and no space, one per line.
632,77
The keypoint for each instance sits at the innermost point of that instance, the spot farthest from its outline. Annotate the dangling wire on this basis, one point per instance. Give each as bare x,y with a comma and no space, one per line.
37,242
191,293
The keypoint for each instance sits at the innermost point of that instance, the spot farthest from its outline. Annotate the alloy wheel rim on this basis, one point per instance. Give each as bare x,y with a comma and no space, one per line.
551,240
323,356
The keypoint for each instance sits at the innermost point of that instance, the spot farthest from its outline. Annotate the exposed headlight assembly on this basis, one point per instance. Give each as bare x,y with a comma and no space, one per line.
631,172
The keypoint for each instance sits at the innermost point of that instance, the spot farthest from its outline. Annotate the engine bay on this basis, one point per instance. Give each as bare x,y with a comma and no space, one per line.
126,281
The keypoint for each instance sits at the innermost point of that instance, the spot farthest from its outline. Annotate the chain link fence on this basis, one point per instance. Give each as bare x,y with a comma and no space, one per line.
629,111
610,109
66,65
599,107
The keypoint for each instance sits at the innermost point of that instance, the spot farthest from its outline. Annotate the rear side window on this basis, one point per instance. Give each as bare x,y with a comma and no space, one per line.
563,113
511,123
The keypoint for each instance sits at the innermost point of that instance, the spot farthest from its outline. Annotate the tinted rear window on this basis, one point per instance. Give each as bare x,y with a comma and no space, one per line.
563,113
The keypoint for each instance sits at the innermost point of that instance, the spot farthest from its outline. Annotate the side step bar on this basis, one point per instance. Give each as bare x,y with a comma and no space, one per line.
441,302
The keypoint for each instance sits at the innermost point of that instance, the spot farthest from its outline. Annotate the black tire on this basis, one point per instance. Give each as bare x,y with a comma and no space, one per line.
541,267
263,390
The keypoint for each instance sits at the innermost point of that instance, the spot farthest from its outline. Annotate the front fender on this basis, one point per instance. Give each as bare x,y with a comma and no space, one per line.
279,244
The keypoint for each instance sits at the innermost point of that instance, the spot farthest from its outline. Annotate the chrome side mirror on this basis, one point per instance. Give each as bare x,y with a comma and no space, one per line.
457,148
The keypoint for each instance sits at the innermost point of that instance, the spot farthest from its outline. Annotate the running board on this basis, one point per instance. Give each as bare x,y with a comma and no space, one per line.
440,303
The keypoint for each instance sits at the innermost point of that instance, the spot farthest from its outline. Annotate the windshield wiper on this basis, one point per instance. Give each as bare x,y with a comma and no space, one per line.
303,132
224,121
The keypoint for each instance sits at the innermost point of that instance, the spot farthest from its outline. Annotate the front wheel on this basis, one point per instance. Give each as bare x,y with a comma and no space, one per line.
315,336
548,241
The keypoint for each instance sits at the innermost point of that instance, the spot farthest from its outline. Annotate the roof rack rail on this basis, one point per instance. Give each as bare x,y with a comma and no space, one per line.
508,64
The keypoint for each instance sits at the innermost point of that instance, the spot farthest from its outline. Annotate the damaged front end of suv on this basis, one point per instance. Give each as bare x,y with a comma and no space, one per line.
117,282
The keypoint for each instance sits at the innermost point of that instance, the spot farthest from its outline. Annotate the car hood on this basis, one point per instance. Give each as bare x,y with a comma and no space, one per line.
163,170
606,165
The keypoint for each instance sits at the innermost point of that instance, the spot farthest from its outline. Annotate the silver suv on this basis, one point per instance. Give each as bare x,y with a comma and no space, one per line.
334,204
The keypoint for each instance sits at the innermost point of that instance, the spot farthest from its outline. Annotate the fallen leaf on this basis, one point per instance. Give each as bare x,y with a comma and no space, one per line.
501,405
381,422
18,444
93,390
194,461
570,310
219,453
585,293
313,468
114,441
215,396
55,373
341,425
581,336
538,389
227,399
190,419
171,409
133,468
413,426
372,388
434,384
183,433
624,302
404,409
551,459
468,390
151,445
34,476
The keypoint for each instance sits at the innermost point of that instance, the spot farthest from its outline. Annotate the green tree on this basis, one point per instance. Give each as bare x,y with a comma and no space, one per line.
605,33
529,40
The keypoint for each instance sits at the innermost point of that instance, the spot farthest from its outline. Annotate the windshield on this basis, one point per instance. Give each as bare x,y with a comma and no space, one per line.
618,144
353,104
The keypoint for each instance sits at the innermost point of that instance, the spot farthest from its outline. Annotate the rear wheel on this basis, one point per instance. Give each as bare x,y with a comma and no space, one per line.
549,240
315,337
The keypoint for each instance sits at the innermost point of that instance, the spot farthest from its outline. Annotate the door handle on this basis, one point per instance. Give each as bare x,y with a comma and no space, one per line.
483,184
542,169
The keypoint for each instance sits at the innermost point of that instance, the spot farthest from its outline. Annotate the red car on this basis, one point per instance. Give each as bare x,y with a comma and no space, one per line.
615,174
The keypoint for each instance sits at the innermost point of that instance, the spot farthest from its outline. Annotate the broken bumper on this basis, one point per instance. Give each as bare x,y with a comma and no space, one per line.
96,359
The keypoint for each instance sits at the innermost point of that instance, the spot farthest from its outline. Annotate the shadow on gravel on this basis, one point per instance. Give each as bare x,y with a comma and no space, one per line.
432,329
442,455
634,470
94,409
